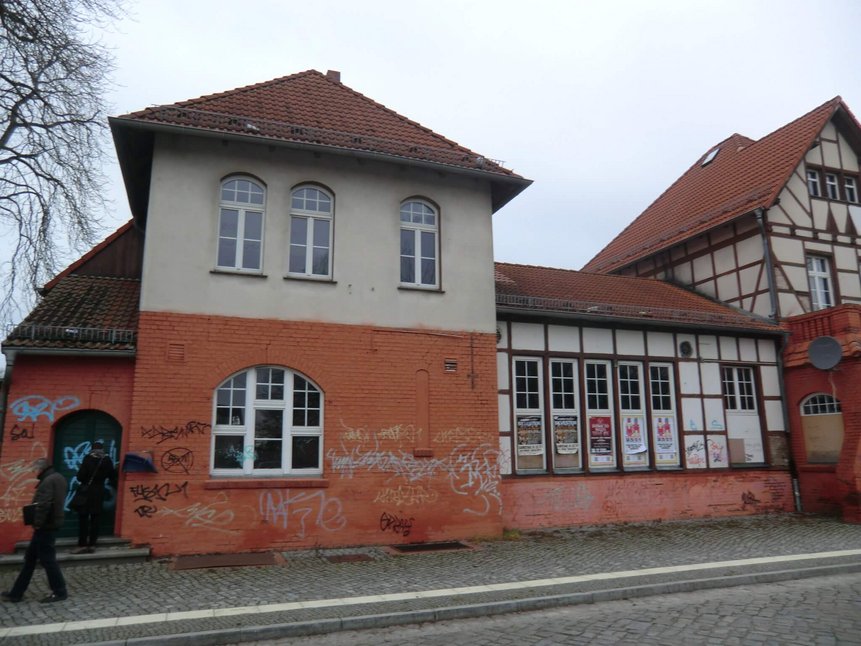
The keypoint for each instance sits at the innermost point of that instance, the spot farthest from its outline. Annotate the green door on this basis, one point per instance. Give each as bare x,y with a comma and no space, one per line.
74,440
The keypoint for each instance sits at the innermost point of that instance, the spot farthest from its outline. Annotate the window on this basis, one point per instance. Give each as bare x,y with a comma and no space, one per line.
662,389
268,420
850,189
738,392
564,415
820,404
813,182
528,414
419,250
634,435
664,432
602,449
240,225
831,186
819,279
310,232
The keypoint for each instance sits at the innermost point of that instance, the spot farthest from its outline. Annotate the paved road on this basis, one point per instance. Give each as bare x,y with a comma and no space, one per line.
820,611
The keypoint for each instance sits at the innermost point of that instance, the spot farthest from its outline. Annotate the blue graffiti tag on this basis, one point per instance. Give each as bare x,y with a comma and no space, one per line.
32,407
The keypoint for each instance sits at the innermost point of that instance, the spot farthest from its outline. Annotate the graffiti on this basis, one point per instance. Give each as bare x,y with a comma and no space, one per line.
472,471
205,515
148,493
19,479
146,511
360,434
32,407
457,436
242,455
22,432
165,433
695,453
282,508
747,498
10,515
400,433
74,455
177,460
395,524
406,495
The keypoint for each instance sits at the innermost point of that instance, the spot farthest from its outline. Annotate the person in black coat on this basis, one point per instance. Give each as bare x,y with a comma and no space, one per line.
50,497
95,469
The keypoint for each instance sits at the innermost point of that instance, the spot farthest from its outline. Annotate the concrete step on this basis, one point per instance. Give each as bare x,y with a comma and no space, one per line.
110,549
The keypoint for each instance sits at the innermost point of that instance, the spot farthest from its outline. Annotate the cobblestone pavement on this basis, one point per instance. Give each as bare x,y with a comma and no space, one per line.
127,590
818,611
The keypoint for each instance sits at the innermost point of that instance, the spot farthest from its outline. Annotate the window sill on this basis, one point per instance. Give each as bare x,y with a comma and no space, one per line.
240,482
419,288
228,272
311,279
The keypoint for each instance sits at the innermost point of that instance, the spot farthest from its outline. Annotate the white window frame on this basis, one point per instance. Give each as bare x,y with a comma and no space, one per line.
314,218
813,183
245,209
850,189
832,186
664,458
531,407
418,230
570,393
632,405
820,404
595,409
248,404
739,389
820,282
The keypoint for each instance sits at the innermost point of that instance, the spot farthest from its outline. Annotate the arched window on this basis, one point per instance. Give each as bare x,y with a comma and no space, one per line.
267,420
820,404
311,215
419,244
240,225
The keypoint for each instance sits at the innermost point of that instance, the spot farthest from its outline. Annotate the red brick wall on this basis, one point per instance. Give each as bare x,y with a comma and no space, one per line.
828,489
385,478
43,390
561,501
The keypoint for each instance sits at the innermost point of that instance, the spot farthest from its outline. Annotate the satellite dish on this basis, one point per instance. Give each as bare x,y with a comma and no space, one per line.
824,352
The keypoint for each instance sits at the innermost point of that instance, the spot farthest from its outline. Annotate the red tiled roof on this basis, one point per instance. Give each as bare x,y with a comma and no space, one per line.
583,295
82,312
316,109
743,176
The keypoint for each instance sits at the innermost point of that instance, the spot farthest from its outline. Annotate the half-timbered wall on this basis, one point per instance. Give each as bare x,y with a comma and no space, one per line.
592,400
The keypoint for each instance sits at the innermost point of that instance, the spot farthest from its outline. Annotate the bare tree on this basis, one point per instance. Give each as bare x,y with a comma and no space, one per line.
53,73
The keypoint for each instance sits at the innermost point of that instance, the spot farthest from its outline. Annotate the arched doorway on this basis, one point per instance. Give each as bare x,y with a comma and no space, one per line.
822,424
74,438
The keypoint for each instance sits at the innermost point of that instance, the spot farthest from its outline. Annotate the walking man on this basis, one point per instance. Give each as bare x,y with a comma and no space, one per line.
50,497
96,467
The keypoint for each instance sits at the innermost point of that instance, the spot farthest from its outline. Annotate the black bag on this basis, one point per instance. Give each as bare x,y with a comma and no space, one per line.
29,513
79,500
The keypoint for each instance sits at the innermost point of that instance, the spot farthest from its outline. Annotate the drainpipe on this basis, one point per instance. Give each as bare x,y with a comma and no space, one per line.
759,214
4,395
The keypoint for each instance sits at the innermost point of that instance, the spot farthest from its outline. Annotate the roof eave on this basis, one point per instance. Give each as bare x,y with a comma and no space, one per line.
504,187
11,351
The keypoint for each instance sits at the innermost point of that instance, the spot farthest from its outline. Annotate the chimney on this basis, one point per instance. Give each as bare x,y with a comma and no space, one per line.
333,75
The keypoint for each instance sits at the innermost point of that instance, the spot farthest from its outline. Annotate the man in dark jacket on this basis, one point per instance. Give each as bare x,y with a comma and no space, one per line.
96,467
50,497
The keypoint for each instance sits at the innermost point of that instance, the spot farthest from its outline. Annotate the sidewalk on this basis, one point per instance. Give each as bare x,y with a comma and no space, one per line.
328,590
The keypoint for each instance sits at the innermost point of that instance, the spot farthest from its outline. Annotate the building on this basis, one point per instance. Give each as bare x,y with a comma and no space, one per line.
772,226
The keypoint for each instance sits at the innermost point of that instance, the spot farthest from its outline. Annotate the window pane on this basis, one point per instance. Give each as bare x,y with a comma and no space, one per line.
428,245
408,242
268,423
320,266
226,252
297,259
228,452
428,272
321,233
253,225
251,255
229,223
298,230
267,454
306,453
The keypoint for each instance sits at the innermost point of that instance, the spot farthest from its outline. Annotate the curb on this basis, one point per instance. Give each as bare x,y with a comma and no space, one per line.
365,622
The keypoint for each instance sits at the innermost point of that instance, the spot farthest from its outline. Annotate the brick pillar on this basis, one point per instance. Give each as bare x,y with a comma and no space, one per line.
849,467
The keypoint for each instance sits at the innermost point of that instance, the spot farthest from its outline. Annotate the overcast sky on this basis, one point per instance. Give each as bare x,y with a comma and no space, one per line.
602,104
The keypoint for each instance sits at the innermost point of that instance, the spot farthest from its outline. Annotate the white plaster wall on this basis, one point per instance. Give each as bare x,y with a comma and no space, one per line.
708,346
683,273
182,238
563,338
747,349
690,338
630,342
789,305
504,403
749,250
748,277
727,288
728,348
598,340
797,277
660,344
724,259
502,334
767,351
770,381
502,370
774,415
788,250
527,336
710,373
703,268
849,156
689,378
846,258
830,154
850,285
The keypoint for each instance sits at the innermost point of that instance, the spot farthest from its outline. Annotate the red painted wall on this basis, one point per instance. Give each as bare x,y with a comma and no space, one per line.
593,500
386,478
43,390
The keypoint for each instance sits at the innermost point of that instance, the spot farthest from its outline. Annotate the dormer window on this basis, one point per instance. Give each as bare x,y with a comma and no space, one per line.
709,158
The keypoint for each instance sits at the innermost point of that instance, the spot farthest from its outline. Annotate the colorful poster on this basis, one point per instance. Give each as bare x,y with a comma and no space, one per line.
530,439
635,452
695,452
666,441
601,441
717,451
566,434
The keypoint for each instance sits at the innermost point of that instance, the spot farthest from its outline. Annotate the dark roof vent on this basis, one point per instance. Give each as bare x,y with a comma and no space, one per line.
333,75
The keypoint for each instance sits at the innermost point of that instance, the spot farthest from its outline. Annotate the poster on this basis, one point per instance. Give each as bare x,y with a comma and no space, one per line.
666,441
601,441
566,434
695,452
717,451
529,436
635,452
